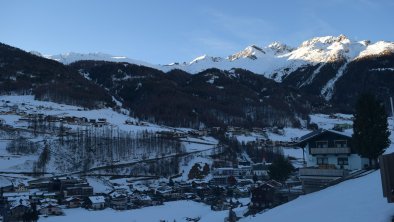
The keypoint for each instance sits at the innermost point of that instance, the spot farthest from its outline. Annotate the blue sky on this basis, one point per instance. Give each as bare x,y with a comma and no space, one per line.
164,31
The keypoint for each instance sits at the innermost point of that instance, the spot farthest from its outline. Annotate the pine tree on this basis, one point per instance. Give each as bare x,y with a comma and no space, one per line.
195,172
205,169
280,169
370,128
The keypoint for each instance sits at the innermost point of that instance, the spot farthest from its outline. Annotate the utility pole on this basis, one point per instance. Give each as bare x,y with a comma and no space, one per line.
392,110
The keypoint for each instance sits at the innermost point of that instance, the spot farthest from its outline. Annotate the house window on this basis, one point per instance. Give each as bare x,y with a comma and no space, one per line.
343,161
321,144
340,143
322,160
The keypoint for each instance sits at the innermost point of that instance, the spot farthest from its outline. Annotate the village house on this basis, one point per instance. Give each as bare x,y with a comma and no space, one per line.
260,170
119,200
21,188
222,174
143,200
79,190
73,202
50,209
328,156
96,202
18,209
264,196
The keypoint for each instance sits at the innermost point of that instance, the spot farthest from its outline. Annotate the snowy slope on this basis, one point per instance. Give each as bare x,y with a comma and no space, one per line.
354,200
13,108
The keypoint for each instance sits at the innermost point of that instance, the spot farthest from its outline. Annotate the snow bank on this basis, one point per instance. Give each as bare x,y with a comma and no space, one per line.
358,200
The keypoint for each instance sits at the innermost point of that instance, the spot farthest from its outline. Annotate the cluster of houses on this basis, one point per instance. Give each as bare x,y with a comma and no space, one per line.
242,172
30,117
50,196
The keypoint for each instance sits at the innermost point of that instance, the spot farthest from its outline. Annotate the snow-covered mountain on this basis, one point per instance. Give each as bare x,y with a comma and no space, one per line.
324,66
70,57
274,61
277,60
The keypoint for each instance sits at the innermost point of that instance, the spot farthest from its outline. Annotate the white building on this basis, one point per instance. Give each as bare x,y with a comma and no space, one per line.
329,156
97,202
331,149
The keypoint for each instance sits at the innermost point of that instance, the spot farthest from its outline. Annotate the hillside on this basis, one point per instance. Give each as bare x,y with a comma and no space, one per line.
323,74
28,74
212,97
335,68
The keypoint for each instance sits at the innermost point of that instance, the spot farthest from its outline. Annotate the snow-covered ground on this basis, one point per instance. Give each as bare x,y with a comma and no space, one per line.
186,166
358,200
170,211
29,105
9,162
326,122
289,134
251,137
99,185
293,152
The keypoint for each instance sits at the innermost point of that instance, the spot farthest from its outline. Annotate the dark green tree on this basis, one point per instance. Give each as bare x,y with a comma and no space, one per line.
370,128
44,158
205,169
280,169
231,181
255,178
195,172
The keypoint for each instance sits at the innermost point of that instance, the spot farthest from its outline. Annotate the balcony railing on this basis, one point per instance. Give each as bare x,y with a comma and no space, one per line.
331,150
323,172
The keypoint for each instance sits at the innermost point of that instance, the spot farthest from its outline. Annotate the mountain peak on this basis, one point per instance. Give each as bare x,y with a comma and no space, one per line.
279,47
205,58
325,40
251,52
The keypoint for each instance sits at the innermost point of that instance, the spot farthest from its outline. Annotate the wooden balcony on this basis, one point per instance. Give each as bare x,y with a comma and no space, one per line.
322,172
331,150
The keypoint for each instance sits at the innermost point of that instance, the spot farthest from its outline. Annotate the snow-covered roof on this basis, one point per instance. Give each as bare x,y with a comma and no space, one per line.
144,197
71,199
97,199
319,132
19,202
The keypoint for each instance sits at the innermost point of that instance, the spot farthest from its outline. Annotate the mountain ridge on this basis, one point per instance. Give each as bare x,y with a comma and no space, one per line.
275,58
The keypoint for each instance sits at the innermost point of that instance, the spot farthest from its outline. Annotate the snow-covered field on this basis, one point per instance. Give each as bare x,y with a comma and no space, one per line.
170,211
14,162
326,122
289,134
29,105
358,200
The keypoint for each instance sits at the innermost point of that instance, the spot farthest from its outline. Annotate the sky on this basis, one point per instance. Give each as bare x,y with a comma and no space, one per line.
165,31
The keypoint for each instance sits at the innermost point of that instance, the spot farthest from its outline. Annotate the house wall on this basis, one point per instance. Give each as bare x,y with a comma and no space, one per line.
355,162
98,206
